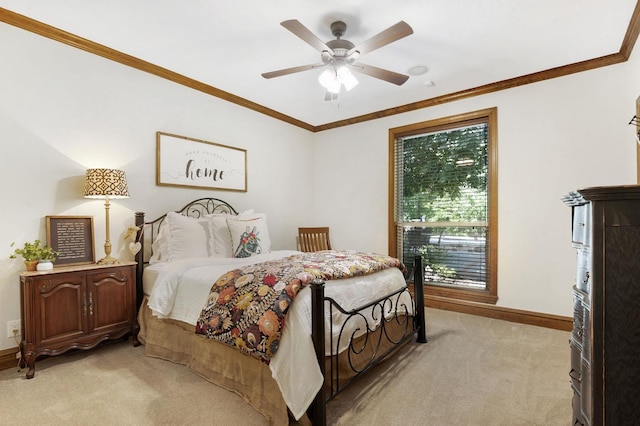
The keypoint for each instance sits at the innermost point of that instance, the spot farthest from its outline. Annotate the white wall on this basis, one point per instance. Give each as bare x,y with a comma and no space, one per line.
63,110
553,137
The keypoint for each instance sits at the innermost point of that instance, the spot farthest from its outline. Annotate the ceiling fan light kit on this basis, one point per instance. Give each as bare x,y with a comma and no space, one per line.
334,78
340,56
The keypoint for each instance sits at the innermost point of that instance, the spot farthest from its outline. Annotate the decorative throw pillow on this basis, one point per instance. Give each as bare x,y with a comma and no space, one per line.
249,236
220,230
187,237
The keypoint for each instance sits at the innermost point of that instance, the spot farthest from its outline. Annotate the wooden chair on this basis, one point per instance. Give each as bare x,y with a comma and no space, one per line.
314,239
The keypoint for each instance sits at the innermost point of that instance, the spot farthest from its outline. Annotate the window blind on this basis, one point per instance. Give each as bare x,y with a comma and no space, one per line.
441,210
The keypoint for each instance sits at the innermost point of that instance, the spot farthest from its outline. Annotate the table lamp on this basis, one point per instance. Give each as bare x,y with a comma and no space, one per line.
105,184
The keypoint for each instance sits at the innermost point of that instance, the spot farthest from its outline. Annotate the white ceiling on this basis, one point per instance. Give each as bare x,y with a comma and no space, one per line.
228,44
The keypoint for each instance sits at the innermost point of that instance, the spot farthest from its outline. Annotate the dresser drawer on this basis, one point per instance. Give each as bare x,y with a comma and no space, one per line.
577,334
586,336
581,225
583,272
585,395
576,364
577,409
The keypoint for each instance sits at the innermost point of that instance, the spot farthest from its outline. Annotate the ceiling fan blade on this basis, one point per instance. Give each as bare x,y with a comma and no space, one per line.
303,32
291,70
382,74
391,34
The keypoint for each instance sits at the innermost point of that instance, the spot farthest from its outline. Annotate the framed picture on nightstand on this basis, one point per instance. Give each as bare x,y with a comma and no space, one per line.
72,238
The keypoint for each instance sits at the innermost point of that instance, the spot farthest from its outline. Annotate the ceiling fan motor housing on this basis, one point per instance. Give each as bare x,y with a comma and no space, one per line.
338,29
340,47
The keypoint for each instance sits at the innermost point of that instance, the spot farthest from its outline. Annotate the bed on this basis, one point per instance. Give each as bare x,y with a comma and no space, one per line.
197,296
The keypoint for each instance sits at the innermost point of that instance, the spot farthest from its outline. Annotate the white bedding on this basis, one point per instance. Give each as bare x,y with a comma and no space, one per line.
179,290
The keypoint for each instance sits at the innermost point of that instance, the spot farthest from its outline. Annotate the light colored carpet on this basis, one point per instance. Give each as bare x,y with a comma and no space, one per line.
473,371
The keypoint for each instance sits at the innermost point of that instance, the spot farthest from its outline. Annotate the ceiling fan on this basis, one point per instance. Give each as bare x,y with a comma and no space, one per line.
340,56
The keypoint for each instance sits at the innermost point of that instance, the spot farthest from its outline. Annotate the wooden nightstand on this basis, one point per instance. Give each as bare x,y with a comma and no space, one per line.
76,307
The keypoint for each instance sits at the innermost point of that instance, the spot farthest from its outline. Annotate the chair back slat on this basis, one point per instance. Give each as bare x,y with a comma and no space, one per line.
314,239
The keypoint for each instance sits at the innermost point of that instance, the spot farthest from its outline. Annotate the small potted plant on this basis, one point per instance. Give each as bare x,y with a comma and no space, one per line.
32,253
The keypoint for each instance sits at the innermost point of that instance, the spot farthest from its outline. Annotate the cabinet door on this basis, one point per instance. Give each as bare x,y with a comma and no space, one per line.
110,296
58,310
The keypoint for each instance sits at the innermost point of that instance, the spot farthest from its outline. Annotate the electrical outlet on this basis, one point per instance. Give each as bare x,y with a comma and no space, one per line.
11,326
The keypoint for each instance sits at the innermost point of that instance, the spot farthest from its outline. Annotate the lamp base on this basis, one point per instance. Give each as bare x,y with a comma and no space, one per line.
108,260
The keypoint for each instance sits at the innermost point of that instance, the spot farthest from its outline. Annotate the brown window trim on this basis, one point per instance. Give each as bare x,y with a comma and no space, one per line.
490,115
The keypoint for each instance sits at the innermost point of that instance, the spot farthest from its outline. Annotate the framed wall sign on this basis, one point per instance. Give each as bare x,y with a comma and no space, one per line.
182,161
72,238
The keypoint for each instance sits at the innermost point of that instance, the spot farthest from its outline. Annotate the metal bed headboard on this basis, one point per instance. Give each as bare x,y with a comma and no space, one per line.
148,231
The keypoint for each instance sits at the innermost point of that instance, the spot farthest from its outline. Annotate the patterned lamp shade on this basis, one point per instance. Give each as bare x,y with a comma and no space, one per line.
100,183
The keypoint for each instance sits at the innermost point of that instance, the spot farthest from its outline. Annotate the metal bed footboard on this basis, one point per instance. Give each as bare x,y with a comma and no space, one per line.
378,310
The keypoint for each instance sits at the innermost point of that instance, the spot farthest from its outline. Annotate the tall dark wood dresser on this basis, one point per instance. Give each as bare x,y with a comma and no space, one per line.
605,341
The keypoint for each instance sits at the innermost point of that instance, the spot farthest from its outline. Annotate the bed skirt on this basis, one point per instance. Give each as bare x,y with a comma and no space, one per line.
224,366
220,364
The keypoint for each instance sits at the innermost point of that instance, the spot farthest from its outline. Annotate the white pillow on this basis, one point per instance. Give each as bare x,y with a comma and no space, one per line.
221,237
187,237
249,236
159,249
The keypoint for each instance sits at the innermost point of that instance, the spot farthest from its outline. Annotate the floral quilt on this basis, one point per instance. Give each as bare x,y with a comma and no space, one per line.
246,307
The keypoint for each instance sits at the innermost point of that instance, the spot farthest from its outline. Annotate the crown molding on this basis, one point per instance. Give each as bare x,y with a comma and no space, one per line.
61,36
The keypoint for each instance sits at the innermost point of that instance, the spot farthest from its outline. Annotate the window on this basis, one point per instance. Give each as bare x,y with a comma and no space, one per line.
443,203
